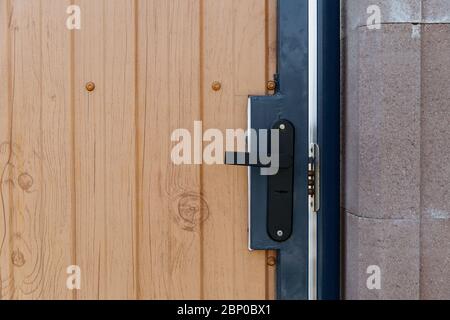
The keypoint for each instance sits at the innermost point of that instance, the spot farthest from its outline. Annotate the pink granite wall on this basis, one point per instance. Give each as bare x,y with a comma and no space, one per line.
396,148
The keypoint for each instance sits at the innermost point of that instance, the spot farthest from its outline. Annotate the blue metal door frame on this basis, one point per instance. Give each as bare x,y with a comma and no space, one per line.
329,266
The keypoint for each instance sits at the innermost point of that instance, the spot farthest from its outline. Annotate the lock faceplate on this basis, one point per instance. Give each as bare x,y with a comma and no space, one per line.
280,198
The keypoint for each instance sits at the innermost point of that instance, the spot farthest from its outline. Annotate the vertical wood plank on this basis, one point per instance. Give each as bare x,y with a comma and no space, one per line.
171,209
56,154
6,273
23,208
36,191
105,149
218,246
234,54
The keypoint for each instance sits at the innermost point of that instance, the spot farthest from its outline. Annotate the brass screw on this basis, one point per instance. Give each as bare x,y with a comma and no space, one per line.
271,261
90,86
271,85
216,86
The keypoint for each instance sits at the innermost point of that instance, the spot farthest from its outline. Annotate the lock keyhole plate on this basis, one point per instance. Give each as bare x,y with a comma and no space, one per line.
280,198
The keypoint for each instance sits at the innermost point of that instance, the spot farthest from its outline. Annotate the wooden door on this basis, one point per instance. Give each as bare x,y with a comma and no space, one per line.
86,176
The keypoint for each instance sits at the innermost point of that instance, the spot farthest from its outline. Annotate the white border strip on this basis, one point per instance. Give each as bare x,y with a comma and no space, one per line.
313,70
249,147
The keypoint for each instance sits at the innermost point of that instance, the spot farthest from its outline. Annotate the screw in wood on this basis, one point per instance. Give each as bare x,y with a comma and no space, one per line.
90,86
271,85
216,86
271,261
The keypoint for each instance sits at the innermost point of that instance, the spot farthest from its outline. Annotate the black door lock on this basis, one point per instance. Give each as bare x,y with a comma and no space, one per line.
280,186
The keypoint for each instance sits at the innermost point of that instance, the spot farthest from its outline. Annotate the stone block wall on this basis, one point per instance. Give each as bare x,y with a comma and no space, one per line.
396,148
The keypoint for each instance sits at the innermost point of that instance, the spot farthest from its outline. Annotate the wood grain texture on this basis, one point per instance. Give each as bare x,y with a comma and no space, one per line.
234,54
6,270
105,149
23,209
171,207
87,177
36,183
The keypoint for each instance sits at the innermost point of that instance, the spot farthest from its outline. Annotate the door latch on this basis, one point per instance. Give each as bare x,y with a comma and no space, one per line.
314,177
